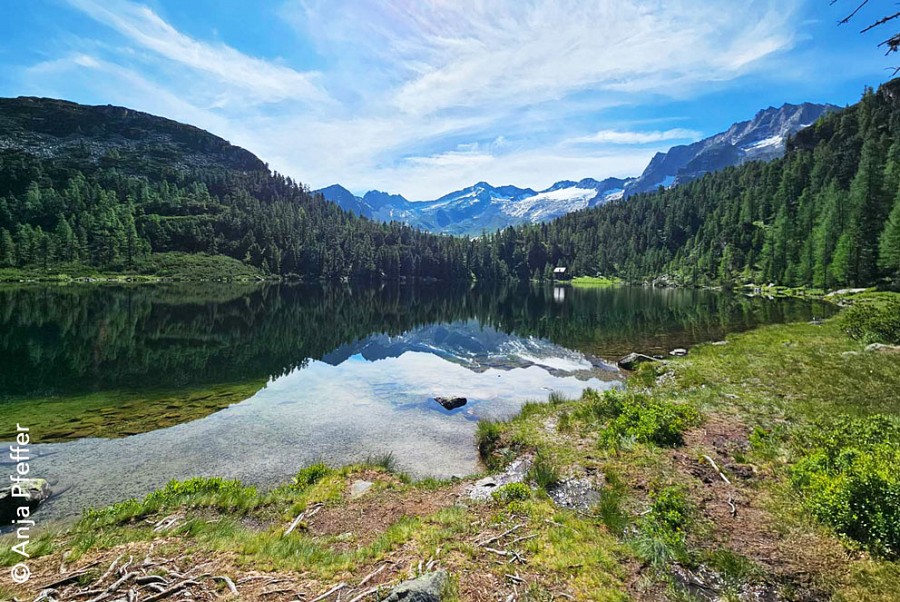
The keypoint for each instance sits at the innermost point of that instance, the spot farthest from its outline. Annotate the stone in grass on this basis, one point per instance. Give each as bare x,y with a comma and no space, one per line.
575,493
514,473
631,361
679,352
430,587
451,403
359,488
882,348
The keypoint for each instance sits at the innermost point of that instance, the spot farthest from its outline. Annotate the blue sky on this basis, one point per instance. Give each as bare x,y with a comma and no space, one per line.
421,97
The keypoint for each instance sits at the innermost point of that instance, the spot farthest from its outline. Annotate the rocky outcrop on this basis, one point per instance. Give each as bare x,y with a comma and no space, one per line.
514,473
31,493
430,587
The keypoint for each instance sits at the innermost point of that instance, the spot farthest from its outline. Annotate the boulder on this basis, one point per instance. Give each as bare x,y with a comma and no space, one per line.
35,491
631,361
429,587
451,403
679,352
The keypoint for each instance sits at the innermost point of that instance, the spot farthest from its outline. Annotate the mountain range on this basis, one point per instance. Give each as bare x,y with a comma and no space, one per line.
482,207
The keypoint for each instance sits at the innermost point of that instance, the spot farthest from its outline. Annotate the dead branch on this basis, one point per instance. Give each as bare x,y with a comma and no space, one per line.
365,594
228,582
372,575
716,468
334,589
502,535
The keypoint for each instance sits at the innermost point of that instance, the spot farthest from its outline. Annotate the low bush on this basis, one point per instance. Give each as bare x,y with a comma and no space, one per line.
874,321
639,417
848,477
512,492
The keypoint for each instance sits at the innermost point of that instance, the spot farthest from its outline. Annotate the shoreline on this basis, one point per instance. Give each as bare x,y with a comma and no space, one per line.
725,479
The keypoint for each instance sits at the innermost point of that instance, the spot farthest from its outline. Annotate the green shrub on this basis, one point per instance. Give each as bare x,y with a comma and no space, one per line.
637,416
512,492
874,322
543,472
661,531
311,475
849,479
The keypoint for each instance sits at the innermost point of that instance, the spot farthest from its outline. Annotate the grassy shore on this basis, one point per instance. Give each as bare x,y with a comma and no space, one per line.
703,467
595,281
155,267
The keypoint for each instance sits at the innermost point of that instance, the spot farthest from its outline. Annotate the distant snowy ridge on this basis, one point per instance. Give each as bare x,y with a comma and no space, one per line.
484,208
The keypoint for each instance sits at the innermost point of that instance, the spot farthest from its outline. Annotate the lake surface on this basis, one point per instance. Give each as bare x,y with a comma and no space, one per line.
134,385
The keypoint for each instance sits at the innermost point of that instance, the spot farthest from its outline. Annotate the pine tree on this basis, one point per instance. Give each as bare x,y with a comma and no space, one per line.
889,247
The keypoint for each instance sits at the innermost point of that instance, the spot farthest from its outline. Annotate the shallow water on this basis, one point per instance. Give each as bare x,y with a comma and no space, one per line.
350,373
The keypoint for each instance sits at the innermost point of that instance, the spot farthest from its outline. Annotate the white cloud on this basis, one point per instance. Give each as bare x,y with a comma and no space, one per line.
473,53
424,97
256,79
633,138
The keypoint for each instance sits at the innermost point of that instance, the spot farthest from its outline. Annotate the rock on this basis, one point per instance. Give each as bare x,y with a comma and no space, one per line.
359,488
514,473
679,352
451,403
704,583
430,587
578,494
631,361
882,348
34,493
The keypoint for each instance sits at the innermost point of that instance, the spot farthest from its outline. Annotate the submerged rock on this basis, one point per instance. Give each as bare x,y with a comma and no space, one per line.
30,492
514,473
430,587
451,403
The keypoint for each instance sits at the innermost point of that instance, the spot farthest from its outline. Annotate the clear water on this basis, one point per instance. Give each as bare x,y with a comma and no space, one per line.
350,373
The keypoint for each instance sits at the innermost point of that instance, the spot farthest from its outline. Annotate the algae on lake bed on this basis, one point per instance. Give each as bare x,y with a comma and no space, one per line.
118,413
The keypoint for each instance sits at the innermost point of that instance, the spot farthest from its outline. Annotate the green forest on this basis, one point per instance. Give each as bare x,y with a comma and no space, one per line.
826,215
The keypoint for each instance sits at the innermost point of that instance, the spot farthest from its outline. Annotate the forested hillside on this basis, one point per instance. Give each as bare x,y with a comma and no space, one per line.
106,187
109,188
826,215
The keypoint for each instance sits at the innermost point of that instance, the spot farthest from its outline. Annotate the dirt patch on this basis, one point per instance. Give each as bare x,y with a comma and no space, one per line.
358,522
738,513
